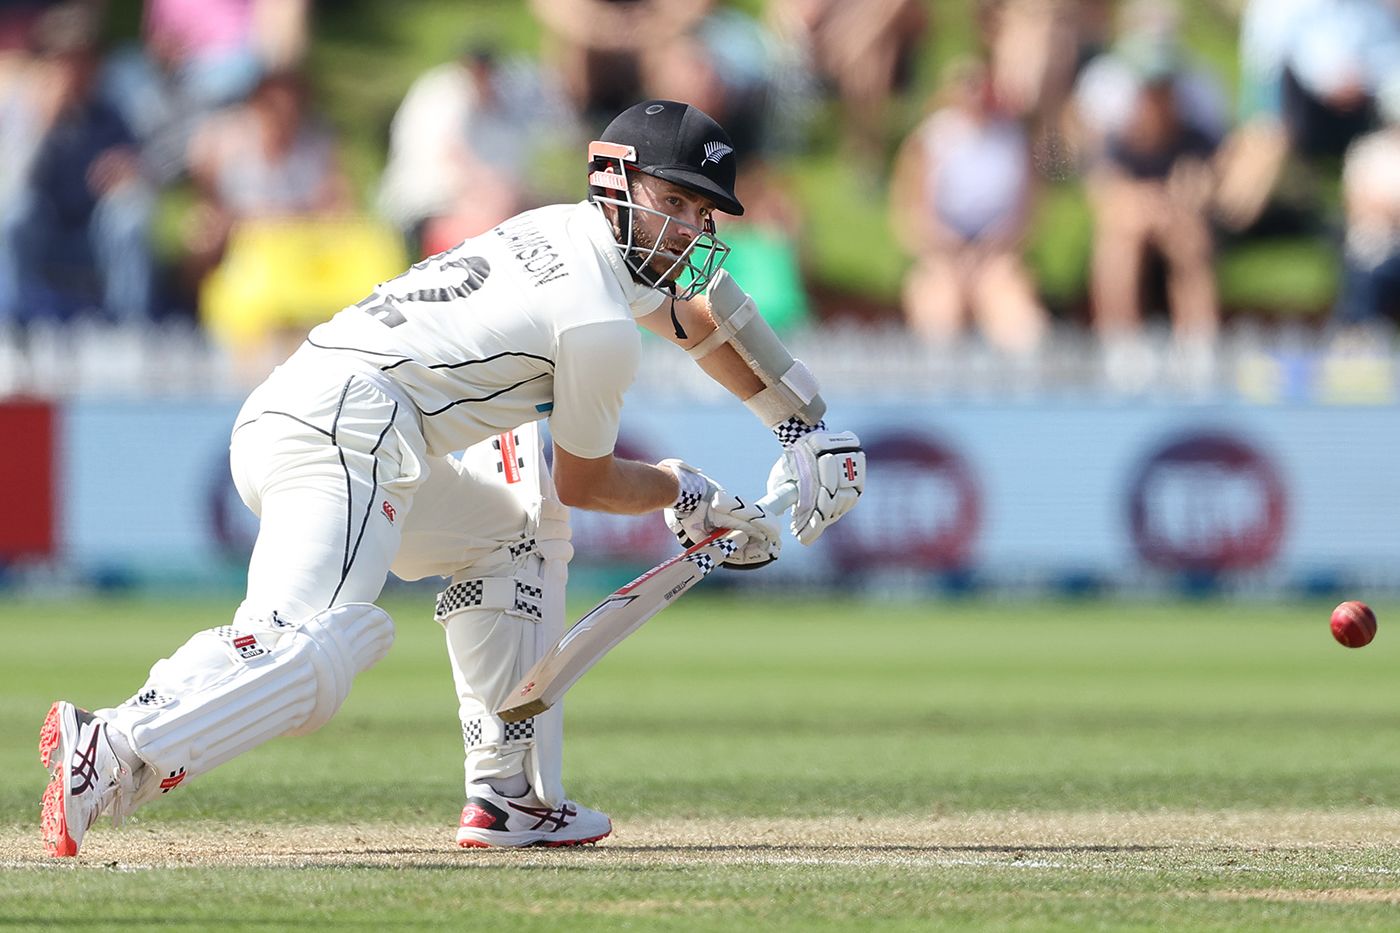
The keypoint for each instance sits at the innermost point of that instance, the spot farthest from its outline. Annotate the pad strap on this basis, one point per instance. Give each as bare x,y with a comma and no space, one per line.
722,335
790,388
521,595
494,732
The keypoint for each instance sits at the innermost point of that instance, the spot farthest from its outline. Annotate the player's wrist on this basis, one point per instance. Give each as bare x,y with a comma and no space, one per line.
693,487
793,429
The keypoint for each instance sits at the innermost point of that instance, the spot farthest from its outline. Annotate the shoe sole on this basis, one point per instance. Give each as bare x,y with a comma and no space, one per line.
542,842
50,735
53,817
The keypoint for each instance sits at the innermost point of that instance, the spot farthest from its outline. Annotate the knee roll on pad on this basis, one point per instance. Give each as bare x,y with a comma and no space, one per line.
228,690
342,642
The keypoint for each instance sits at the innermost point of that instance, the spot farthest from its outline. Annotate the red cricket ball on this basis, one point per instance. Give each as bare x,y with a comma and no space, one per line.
1353,624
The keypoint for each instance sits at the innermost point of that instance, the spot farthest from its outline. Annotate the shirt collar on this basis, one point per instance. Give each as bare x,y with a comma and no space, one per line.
641,299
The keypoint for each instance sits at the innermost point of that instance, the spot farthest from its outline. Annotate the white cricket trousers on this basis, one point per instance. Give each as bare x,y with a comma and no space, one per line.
334,464
335,468
329,461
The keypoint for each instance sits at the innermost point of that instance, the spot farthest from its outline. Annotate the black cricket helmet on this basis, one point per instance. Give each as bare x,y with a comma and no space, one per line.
680,144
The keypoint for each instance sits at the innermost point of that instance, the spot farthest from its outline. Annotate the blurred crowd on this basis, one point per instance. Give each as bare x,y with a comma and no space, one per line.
1111,93
206,133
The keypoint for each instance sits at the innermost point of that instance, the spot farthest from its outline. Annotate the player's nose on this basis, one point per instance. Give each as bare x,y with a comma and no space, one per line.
686,231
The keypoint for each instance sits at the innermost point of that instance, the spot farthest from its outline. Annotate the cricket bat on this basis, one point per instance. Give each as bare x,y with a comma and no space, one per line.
622,613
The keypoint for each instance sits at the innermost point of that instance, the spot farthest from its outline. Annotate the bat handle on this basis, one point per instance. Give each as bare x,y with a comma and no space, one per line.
775,503
780,499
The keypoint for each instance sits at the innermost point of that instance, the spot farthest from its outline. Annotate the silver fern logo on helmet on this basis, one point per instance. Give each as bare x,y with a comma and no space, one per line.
714,151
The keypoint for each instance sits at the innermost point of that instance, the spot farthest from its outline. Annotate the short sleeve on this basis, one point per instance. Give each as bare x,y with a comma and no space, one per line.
595,366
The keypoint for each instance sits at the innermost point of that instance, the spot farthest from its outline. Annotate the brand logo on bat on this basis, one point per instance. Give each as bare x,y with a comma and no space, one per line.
527,688
678,589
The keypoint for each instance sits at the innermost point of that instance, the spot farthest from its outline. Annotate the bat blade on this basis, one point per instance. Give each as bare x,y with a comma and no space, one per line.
605,626
618,616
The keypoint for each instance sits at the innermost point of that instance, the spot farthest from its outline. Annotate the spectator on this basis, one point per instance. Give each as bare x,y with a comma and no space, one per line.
19,17
267,158
461,145
275,245
22,92
220,48
602,45
75,228
1036,49
866,51
198,56
766,244
725,67
1148,49
1371,189
960,200
1153,125
1310,71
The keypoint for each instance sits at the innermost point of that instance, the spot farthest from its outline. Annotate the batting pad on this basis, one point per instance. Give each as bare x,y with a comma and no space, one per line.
492,636
544,762
230,689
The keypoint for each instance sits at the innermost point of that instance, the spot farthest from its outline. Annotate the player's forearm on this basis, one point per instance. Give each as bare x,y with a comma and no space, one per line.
691,325
638,488
622,487
728,368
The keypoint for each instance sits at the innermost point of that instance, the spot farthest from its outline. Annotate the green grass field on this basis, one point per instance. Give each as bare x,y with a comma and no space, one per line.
774,765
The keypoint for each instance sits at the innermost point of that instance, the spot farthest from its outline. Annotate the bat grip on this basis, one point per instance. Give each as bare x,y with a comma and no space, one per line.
780,499
775,503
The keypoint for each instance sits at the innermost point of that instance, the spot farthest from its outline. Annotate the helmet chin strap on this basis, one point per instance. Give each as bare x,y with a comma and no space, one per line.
676,322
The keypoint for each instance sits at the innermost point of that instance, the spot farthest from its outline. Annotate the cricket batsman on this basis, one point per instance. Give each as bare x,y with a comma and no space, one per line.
348,455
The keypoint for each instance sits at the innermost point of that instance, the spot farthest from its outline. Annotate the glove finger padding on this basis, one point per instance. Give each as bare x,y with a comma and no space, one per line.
704,507
829,470
752,554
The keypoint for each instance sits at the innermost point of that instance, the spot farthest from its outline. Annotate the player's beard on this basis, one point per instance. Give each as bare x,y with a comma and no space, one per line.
664,261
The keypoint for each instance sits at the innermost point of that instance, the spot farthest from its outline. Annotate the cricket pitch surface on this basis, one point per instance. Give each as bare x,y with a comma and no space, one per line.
1095,842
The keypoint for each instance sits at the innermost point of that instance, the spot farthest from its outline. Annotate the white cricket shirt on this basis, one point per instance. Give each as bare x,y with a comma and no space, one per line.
533,319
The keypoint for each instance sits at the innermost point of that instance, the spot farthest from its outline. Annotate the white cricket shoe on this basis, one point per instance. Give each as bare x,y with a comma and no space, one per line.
492,820
88,777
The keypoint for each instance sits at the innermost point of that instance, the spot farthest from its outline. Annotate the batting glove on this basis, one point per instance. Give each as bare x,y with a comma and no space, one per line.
704,507
829,470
